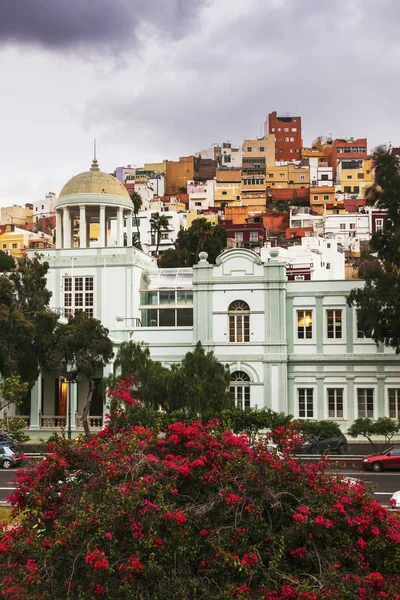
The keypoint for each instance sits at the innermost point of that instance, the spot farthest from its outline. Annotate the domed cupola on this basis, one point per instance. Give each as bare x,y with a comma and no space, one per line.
92,197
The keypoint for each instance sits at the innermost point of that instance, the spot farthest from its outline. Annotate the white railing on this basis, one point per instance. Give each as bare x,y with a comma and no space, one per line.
26,418
95,422
52,421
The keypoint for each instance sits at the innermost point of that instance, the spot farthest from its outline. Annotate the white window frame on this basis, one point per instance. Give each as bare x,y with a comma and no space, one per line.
239,322
365,413
395,393
303,393
335,337
299,314
72,288
378,224
336,394
240,388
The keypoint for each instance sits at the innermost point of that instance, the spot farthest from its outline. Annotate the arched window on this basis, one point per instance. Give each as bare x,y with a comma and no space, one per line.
240,389
239,322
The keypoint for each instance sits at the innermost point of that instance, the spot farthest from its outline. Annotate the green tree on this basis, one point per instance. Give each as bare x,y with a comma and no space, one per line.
382,427
7,262
378,304
200,385
173,258
26,322
84,343
137,205
202,235
252,421
158,224
12,391
14,427
150,377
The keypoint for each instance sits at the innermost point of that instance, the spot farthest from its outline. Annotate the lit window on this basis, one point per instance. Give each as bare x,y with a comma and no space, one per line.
304,324
240,389
335,403
239,322
305,403
334,324
365,403
394,404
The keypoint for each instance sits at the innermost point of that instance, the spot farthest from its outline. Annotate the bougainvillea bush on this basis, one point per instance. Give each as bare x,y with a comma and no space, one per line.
195,513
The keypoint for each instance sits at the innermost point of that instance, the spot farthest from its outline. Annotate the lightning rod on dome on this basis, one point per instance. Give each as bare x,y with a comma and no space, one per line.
94,149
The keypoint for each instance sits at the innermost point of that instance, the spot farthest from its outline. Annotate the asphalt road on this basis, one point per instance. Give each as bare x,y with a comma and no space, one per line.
382,484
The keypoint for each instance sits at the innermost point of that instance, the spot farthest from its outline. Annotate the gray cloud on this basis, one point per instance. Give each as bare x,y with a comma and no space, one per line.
303,58
94,24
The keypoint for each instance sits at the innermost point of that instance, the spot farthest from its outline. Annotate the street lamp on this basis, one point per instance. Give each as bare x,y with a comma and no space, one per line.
71,377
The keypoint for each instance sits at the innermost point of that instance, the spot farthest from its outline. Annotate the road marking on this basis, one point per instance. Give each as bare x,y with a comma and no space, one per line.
8,488
383,493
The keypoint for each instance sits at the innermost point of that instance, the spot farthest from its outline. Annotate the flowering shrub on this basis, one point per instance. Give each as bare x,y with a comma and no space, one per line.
194,514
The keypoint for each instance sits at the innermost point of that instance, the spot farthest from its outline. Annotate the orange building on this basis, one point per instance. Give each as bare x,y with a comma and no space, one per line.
178,173
348,149
287,130
323,199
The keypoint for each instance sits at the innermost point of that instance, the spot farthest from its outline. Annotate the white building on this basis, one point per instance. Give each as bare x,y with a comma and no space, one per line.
300,216
225,154
292,346
44,208
320,173
349,230
201,195
316,258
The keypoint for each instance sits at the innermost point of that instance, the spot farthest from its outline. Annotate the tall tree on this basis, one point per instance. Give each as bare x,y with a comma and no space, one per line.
137,205
158,223
378,302
150,377
84,342
201,235
200,385
26,322
7,262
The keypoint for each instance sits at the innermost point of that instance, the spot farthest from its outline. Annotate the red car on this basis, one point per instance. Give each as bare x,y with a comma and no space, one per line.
390,459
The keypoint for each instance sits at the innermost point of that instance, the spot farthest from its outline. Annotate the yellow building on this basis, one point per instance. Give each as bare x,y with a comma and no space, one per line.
14,241
288,176
192,215
16,215
354,176
159,167
228,186
323,201
258,156
307,153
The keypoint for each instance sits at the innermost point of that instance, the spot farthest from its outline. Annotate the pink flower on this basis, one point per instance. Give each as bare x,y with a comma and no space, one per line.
108,535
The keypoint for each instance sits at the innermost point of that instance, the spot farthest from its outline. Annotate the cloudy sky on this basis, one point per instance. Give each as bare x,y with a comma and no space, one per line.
157,79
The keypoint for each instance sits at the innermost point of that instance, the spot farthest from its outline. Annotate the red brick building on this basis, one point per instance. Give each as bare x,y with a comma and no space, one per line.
348,149
287,131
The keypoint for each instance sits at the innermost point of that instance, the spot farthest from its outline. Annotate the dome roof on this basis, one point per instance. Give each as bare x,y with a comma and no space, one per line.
94,182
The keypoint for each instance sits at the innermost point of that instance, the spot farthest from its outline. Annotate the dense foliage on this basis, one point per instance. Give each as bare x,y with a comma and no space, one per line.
197,386
382,428
194,512
201,235
378,301
26,323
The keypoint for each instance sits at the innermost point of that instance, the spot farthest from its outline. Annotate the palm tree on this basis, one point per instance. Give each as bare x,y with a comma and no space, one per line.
137,205
157,224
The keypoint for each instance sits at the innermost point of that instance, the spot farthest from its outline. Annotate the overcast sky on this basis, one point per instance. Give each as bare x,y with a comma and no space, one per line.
157,79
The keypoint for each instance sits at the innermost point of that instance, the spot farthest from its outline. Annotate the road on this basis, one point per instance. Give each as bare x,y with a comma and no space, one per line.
384,484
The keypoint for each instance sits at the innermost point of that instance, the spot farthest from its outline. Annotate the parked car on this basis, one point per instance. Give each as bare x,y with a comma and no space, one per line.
9,457
389,459
336,444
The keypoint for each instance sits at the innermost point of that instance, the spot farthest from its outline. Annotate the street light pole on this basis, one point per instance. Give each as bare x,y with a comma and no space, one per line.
71,378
